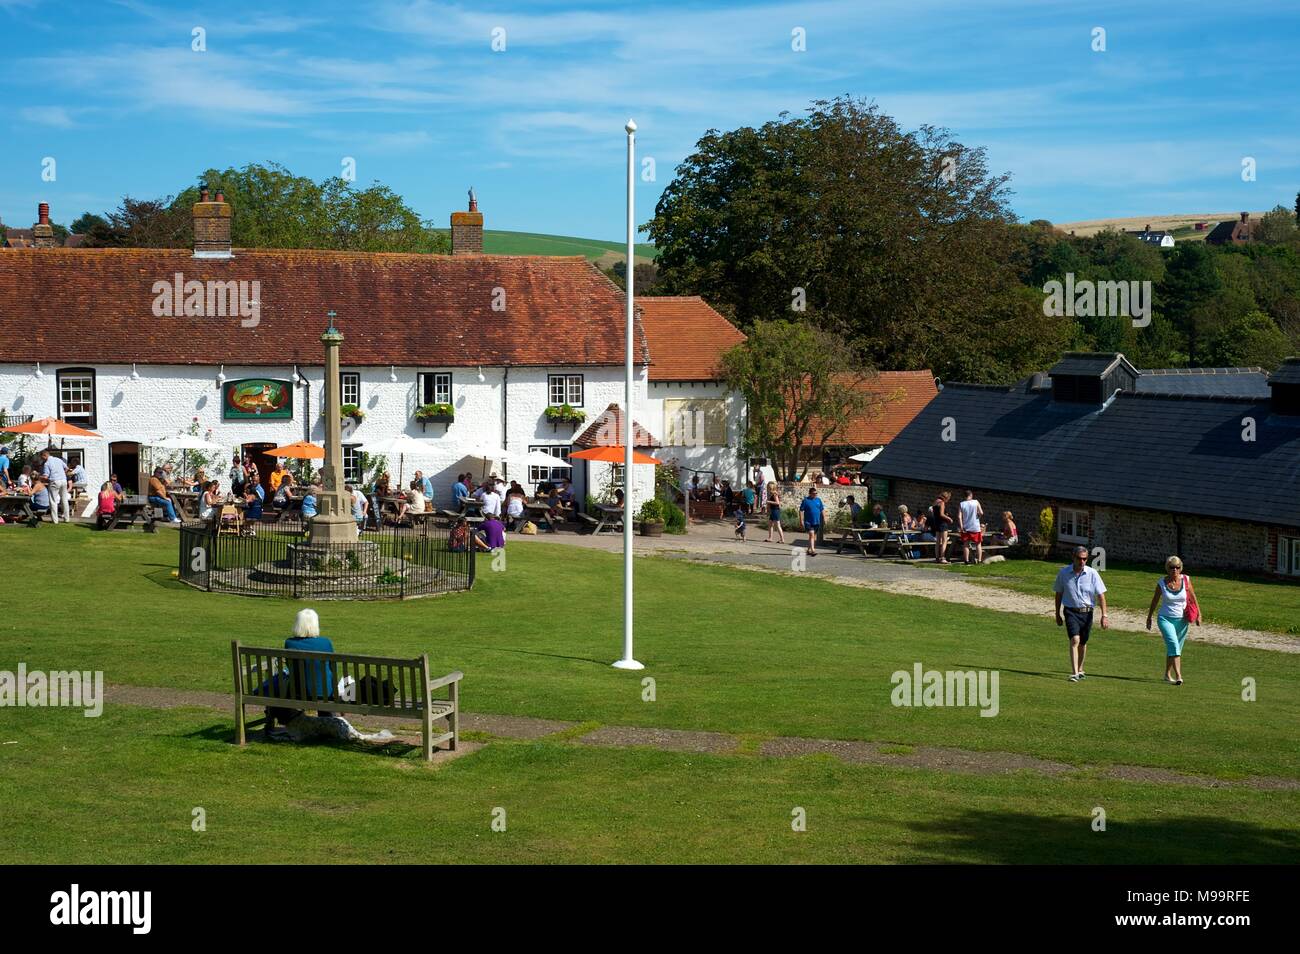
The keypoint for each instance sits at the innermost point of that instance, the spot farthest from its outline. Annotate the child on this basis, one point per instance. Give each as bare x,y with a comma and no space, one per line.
740,523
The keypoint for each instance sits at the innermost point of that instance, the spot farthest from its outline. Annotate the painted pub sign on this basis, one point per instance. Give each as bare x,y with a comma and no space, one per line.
252,399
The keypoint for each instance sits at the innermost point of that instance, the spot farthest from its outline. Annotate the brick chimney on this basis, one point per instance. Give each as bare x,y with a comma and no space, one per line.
211,226
1245,216
467,229
43,231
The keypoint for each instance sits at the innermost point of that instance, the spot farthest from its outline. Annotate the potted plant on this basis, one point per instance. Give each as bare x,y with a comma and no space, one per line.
1040,542
565,414
352,411
651,516
439,413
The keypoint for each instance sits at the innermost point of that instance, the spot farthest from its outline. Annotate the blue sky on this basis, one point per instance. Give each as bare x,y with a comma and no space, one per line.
412,90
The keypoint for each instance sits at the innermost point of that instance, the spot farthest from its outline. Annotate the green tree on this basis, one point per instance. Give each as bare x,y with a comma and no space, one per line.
894,239
1253,340
1276,226
802,386
87,223
1187,294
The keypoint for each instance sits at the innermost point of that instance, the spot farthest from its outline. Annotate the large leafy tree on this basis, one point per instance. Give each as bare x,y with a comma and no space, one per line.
276,209
802,387
894,239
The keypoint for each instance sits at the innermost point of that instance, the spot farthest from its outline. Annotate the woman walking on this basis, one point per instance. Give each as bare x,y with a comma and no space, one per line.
1178,608
774,513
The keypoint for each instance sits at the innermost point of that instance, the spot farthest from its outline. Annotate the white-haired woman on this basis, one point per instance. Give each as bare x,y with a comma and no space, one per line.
309,678
1178,608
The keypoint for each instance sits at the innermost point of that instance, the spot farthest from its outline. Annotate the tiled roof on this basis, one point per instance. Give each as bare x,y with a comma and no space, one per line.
94,306
607,429
1182,454
1219,382
687,338
899,397
1287,373
1090,363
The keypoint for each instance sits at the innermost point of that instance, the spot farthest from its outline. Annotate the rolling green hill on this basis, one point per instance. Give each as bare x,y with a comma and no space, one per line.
496,242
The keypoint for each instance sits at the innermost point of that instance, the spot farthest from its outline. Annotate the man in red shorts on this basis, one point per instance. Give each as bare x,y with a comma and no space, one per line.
971,528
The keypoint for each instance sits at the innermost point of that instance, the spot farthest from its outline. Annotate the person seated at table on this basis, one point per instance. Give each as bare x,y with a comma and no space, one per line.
491,499
117,487
910,526
199,482
415,495
309,503
107,504
77,478
168,476
843,479
855,510
277,477
545,488
564,492
878,518
253,502
24,484
158,495
515,488
211,500
40,493
498,485
1010,533
515,509
618,499
491,533
280,498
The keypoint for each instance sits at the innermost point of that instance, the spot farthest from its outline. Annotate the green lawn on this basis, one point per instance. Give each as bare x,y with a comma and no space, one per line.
731,651
125,791
1233,599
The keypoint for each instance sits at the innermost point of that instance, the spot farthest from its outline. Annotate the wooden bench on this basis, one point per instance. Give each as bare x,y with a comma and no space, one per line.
17,508
400,688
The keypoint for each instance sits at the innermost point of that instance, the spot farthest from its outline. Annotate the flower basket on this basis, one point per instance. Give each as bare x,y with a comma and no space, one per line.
442,413
565,414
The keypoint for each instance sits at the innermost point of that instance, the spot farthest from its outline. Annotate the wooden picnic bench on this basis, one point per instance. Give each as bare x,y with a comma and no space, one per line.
380,686
129,511
18,508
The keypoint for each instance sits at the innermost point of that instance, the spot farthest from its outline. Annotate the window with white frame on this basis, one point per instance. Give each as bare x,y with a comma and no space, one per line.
1075,526
77,396
565,389
435,387
538,474
1288,555
352,464
350,388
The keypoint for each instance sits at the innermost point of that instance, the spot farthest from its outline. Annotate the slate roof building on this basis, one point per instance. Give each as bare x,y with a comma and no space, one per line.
1232,233
1199,463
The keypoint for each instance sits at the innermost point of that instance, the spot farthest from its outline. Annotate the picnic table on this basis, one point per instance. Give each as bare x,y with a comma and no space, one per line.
18,509
540,513
611,515
186,502
130,509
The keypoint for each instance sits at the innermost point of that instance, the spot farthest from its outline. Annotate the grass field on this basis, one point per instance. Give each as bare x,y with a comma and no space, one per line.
731,651
1232,599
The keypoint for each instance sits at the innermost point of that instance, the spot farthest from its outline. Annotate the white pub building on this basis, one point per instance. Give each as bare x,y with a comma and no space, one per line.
465,353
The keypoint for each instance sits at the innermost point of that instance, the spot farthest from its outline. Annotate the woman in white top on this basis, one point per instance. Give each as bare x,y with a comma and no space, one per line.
211,499
1171,595
416,496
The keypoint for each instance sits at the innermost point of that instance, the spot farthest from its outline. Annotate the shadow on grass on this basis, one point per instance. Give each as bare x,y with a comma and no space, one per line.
395,748
984,837
1056,673
530,652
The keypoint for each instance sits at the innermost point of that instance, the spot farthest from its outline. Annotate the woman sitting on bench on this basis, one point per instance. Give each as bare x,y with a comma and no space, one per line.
307,679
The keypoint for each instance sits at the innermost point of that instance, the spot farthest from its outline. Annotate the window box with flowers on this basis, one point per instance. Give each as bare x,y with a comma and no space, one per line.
438,413
349,411
565,414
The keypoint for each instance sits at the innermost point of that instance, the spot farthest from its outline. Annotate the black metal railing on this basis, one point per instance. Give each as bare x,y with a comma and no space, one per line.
279,559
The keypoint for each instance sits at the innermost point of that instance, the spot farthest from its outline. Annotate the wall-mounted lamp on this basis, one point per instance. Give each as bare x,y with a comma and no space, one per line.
39,372
298,379
135,375
221,377
481,378
392,374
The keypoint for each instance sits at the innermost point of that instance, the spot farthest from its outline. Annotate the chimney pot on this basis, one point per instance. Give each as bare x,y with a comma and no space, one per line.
221,196
43,231
1244,216
203,193
211,226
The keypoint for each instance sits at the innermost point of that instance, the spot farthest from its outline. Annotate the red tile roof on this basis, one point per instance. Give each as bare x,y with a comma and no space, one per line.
94,306
607,429
687,338
902,395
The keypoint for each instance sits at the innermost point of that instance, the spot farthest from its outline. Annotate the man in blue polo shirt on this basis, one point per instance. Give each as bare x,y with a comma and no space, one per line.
1079,588
811,510
4,468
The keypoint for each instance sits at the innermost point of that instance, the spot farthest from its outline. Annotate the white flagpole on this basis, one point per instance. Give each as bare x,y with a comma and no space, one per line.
628,661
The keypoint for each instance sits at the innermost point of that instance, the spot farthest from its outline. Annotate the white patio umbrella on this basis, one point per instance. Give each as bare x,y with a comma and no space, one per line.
401,445
866,456
537,458
489,455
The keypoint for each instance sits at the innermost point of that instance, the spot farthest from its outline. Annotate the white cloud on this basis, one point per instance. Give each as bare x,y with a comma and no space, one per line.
55,116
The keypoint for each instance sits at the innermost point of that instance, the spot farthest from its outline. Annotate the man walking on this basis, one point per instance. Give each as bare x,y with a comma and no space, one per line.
971,528
811,509
1079,588
55,473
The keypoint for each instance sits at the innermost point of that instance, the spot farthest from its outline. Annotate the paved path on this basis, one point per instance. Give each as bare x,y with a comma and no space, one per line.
936,758
716,544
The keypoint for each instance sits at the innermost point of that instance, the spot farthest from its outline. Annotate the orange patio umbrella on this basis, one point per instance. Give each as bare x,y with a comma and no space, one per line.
613,454
51,427
300,450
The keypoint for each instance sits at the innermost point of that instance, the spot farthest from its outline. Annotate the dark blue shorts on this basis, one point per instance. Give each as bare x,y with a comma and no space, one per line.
1078,623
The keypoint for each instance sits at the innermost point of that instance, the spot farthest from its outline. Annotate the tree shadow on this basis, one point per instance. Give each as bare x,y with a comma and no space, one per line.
529,652
987,837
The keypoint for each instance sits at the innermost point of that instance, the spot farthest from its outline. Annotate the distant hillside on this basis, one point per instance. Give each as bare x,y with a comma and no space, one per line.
1183,226
605,254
